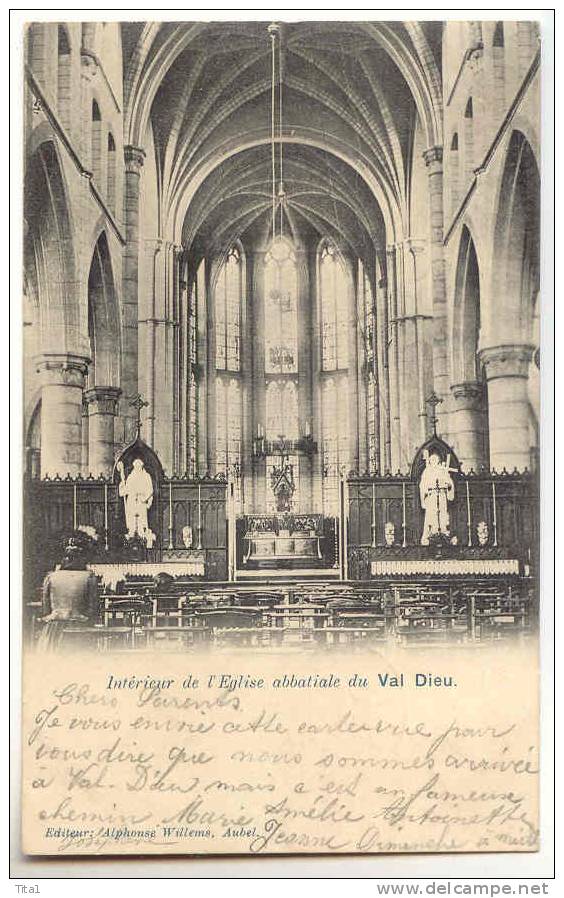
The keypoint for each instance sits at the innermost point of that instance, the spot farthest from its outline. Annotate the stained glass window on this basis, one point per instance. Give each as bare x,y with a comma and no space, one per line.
335,425
228,292
282,410
334,292
366,303
228,419
228,306
281,310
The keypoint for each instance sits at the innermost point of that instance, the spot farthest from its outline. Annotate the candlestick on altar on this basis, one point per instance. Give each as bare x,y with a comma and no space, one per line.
170,525
106,546
468,516
199,516
403,518
494,512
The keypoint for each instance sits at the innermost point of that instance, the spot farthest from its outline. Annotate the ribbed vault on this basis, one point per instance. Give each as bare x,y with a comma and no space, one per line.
206,90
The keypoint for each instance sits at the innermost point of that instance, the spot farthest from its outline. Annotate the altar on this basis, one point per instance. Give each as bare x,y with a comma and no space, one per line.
283,541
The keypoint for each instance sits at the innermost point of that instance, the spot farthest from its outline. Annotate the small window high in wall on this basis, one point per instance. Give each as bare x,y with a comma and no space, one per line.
454,142
96,146
111,179
63,77
498,36
469,148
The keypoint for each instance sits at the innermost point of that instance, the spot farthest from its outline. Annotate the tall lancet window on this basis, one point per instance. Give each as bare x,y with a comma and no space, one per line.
228,309
228,293
334,311
281,309
333,304
370,366
281,358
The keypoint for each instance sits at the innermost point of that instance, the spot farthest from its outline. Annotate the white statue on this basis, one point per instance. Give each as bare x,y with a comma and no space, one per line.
389,533
137,493
436,490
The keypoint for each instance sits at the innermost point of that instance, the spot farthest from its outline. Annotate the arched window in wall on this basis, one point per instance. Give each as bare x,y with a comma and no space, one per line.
228,426
469,139
335,426
282,421
368,307
96,142
282,410
63,77
498,59
454,174
281,358
498,36
192,393
281,309
333,304
227,306
33,444
111,174
228,310
334,310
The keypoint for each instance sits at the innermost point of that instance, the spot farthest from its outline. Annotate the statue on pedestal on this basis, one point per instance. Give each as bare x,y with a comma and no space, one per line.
436,490
137,493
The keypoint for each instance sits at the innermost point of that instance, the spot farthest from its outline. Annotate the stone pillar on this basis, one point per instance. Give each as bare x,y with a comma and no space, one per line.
506,370
383,382
61,414
352,378
102,409
467,424
434,162
134,157
393,359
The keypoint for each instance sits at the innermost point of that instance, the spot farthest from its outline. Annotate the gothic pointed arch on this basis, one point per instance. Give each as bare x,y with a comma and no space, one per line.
103,319
49,255
516,274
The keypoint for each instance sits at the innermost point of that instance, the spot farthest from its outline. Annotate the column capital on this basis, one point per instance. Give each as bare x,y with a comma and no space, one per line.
64,370
470,392
433,156
134,158
511,360
102,400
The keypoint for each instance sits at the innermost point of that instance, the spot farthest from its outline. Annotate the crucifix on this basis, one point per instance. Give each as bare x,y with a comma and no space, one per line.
138,403
434,401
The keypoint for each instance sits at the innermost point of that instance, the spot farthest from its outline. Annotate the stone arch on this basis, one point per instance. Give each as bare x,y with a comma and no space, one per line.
469,397
516,242
466,312
103,318
50,253
508,349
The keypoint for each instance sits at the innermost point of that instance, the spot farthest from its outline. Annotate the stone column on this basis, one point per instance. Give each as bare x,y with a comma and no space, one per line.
134,157
352,377
467,424
506,370
434,162
383,384
61,414
393,359
102,409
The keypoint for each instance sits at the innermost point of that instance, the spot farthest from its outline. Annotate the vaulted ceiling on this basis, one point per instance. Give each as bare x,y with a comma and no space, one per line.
350,96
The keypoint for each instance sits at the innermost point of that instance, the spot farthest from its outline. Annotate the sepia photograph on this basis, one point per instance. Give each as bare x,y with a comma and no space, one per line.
281,432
